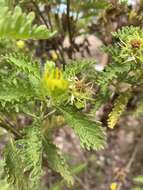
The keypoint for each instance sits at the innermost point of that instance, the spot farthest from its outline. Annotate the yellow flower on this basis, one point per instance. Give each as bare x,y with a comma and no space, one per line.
20,44
54,82
113,186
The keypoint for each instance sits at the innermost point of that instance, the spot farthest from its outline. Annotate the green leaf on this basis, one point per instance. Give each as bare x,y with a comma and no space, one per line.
18,25
11,93
32,153
77,66
56,161
14,167
91,134
23,159
24,64
3,181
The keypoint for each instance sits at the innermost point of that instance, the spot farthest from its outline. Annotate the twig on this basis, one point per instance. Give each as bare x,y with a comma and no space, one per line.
68,21
11,129
45,22
50,113
39,12
62,55
84,187
49,18
130,162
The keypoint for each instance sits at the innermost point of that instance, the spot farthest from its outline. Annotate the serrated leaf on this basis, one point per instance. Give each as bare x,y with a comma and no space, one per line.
31,152
23,64
12,93
91,134
14,167
57,162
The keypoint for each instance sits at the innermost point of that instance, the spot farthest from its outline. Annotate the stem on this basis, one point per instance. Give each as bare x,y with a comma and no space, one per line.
49,17
61,50
50,113
127,168
11,128
39,12
84,187
45,22
68,21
